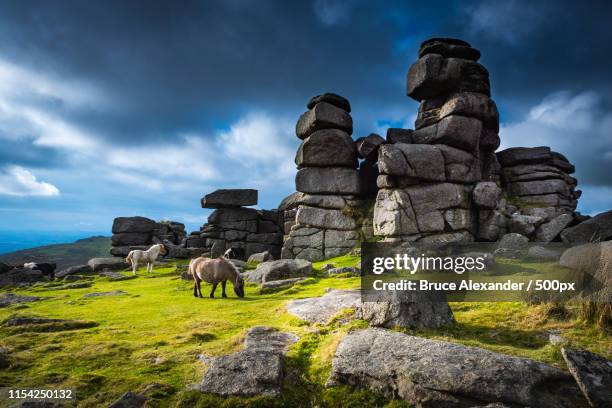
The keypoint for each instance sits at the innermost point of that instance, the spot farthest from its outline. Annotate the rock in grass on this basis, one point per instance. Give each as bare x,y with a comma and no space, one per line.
279,284
321,309
129,400
433,373
77,269
114,264
21,277
100,294
260,257
593,374
353,270
257,369
9,298
115,276
277,270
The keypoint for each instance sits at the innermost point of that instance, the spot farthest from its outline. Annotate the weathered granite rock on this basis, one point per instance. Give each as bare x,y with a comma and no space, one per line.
486,194
328,180
397,135
408,310
9,298
261,257
229,198
598,228
324,218
321,309
449,50
433,75
513,241
547,232
540,187
539,253
327,148
114,264
129,400
593,374
524,155
21,276
277,270
131,238
420,161
102,294
323,116
353,270
368,146
331,98
72,270
279,284
524,224
133,224
457,131
433,373
257,369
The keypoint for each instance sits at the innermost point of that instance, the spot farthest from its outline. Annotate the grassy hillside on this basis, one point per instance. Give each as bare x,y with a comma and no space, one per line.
155,333
65,255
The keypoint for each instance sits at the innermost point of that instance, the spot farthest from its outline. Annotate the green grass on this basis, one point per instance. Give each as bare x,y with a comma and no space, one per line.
155,333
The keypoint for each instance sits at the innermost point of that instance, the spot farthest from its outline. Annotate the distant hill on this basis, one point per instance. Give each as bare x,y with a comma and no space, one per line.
64,255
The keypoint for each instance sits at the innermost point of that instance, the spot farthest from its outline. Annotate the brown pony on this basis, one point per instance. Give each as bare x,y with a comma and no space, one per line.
215,271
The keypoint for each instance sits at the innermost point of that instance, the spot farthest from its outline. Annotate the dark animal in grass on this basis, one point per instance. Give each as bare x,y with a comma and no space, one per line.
47,269
215,271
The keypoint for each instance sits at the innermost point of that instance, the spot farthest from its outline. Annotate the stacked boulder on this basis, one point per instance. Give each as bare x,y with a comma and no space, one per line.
327,183
140,233
233,226
541,194
427,175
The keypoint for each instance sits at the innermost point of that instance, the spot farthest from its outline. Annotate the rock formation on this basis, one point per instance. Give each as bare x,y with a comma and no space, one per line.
231,225
140,233
427,175
328,184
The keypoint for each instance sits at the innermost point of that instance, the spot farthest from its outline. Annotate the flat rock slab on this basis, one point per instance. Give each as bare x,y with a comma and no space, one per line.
116,276
277,270
279,284
101,294
321,309
432,373
257,369
593,374
98,264
10,298
230,198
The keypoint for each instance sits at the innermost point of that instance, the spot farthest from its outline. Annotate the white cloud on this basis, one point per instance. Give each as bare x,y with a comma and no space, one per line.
332,12
17,181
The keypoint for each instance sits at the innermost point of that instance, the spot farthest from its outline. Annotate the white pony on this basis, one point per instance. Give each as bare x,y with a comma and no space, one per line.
149,257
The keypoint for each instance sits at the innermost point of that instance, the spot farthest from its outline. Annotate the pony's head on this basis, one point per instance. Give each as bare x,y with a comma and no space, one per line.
163,251
239,286
229,254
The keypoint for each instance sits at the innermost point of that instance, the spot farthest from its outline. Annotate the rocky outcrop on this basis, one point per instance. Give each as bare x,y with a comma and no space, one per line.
131,233
593,374
281,269
246,231
320,221
321,309
427,176
598,228
432,373
257,369
21,277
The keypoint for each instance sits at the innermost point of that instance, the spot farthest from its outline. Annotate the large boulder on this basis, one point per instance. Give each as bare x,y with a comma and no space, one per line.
230,198
323,116
73,270
114,264
408,310
457,131
367,146
331,98
281,269
21,277
513,241
433,373
321,309
524,155
449,48
261,257
256,370
398,135
133,224
547,232
131,238
598,228
328,180
593,374
327,148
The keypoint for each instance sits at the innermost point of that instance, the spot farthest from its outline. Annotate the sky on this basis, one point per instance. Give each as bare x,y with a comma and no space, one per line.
122,108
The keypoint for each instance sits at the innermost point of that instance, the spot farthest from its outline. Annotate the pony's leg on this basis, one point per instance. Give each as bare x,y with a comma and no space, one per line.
212,292
200,287
195,287
134,267
223,289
